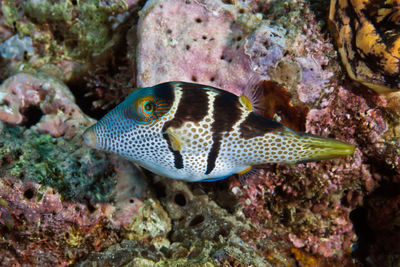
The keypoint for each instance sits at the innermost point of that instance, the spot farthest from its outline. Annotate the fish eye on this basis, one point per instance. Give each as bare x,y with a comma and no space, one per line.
148,106
149,109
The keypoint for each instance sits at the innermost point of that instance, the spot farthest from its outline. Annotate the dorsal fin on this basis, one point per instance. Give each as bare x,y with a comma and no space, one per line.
252,94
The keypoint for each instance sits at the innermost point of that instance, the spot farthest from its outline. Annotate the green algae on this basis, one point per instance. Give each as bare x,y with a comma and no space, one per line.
74,171
151,221
228,252
79,30
10,12
63,31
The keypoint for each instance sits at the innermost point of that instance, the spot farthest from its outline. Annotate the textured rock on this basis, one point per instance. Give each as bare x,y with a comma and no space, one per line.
43,102
202,46
43,228
15,47
64,35
207,42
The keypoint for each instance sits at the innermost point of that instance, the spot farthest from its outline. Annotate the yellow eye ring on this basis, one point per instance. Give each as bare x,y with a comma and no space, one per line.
145,106
148,107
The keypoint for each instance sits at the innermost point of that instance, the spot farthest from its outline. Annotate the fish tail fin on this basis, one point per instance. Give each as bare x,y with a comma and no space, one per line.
315,148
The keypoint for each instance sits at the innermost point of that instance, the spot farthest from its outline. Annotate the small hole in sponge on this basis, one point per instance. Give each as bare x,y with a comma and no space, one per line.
90,207
198,219
198,20
33,115
160,189
29,193
194,78
180,199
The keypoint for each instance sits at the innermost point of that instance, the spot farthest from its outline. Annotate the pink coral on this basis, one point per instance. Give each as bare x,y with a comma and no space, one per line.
307,205
314,80
198,46
49,225
61,116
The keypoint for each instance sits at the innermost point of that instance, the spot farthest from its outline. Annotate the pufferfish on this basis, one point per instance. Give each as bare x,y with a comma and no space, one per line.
195,132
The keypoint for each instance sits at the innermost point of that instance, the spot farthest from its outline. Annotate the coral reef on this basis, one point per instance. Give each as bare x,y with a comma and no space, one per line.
65,204
383,219
202,233
62,34
59,228
42,102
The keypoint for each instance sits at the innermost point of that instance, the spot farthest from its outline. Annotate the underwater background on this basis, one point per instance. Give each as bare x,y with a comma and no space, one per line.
65,64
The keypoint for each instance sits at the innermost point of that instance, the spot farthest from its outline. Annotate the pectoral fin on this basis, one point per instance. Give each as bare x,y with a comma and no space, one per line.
174,139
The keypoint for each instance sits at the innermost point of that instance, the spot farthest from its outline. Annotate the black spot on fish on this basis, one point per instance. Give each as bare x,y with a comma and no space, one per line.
255,125
226,113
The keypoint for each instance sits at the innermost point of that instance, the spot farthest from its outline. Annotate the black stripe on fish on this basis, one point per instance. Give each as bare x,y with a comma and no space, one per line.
165,91
193,105
178,160
255,125
226,113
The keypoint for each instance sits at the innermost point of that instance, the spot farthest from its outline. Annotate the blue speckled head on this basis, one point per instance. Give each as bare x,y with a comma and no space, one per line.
134,126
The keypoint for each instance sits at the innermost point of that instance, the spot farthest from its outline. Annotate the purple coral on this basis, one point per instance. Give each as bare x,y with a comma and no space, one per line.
196,46
58,231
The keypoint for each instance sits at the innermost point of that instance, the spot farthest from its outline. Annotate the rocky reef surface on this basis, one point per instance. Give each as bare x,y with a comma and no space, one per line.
64,64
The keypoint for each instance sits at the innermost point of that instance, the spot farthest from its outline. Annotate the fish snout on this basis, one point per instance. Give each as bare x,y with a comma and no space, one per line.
89,138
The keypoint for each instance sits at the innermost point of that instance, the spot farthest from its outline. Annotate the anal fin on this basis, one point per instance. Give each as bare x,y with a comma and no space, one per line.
245,170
